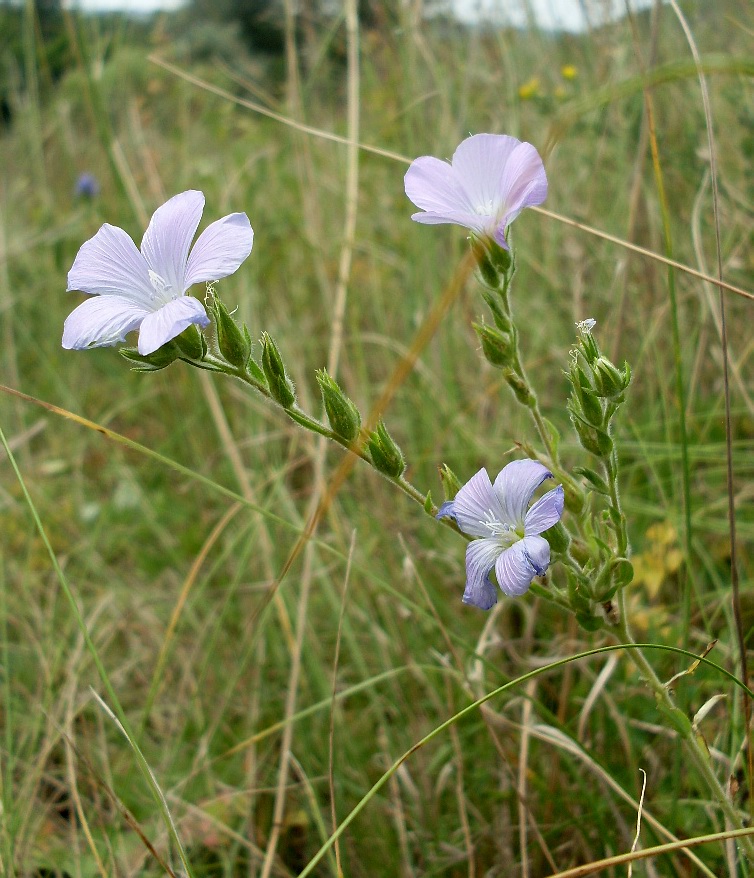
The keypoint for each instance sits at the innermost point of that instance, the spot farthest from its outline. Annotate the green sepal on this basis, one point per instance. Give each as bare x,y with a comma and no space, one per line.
558,538
233,341
497,346
279,384
429,506
589,622
501,318
451,484
595,480
160,359
342,414
191,343
385,453
622,572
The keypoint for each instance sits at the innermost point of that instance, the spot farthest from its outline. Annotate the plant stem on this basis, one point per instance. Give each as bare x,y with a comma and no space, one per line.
697,751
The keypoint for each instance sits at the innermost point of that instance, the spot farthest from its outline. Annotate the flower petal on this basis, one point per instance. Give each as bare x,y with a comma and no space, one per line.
545,512
481,163
473,221
538,553
168,237
101,321
110,265
515,570
480,559
475,504
163,325
447,510
524,183
433,186
514,486
219,250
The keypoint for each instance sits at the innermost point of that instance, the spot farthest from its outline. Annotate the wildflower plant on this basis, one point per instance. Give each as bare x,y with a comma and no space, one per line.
570,546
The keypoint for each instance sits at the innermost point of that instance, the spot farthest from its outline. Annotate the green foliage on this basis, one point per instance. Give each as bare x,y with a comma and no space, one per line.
175,581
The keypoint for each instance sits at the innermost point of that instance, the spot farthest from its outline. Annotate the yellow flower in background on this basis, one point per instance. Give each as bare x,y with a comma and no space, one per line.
568,71
560,92
529,89
661,559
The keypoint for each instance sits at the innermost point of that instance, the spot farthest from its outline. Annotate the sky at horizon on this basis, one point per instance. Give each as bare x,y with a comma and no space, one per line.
566,15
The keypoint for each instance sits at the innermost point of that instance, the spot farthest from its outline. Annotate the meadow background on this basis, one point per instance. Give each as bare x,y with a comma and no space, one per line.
260,699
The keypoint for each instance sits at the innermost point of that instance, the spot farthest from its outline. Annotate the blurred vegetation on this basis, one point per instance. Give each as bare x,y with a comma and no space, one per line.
132,534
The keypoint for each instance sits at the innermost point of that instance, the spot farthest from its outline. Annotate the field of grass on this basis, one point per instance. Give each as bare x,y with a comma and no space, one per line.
272,669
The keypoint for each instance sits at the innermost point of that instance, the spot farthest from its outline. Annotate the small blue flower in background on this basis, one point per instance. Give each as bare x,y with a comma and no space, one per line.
146,289
490,180
507,530
87,186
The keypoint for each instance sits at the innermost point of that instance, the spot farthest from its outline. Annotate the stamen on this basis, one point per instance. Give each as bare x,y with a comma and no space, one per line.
495,527
161,287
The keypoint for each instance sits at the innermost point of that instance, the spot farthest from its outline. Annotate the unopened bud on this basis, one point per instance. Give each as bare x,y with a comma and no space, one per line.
497,346
386,455
597,441
342,414
611,382
280,385
160,359
233,341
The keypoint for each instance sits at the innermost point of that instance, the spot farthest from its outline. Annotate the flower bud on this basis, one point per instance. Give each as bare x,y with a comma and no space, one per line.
586,343
160,359
342,414
497,346
386,455
233,341
622,572
597,441
451,484
191,343
610,381
280,385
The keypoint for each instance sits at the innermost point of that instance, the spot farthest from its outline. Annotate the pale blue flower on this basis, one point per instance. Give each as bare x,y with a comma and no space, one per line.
87,186
508,530
489,181
146,289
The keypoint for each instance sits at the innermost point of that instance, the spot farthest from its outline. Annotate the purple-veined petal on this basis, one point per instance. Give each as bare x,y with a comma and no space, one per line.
109,264
481,163
476,504
545,512
160,327
219,250
515,570
433,186
168,237
524,183
101,321
538,553
480,559
514,487
447,510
